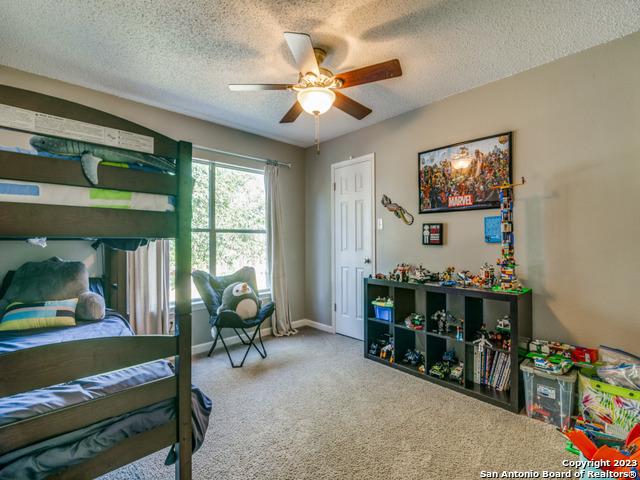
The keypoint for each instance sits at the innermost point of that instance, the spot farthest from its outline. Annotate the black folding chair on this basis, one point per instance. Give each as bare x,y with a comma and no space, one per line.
210,289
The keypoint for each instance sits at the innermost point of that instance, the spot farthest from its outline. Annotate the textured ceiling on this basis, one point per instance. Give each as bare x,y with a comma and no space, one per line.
180,55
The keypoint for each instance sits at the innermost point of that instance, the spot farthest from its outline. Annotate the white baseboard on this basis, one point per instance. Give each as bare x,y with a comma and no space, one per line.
266,332
305,322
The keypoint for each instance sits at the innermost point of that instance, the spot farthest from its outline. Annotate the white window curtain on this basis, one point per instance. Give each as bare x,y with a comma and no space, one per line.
148,288
281,320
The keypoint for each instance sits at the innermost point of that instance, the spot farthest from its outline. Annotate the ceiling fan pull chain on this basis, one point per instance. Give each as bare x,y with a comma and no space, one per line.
317,120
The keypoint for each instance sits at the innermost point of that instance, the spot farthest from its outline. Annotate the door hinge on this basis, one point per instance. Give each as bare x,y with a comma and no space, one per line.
335,307
334,186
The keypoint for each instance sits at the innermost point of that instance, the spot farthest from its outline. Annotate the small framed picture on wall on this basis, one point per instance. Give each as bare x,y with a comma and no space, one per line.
432,233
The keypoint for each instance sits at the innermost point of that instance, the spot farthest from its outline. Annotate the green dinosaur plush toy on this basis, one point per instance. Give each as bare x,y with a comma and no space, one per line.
239,297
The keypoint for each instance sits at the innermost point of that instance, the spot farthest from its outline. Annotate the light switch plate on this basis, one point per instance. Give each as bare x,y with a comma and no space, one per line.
379,224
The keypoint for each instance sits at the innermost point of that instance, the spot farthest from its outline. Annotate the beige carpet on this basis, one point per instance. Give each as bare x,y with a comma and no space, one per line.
316,409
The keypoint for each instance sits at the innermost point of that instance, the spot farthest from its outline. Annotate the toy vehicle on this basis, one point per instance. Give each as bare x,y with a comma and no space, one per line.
419,274
448,283
450,356
457,373
415,321
439,370
386,351
413,357
504,324
555,364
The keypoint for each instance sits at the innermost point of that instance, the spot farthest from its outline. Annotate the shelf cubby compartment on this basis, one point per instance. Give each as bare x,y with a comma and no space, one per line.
436,348
404,300
406,339
496,396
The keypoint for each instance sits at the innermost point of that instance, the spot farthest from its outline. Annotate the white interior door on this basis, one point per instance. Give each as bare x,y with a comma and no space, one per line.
353,241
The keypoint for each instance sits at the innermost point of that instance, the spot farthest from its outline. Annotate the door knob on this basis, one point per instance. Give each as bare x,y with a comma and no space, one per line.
367,260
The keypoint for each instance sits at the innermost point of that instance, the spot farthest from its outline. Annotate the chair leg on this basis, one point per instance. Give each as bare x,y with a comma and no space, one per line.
262,353
251,343
215,340
244,342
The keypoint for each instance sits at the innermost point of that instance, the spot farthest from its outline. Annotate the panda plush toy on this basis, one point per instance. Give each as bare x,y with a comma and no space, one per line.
239,297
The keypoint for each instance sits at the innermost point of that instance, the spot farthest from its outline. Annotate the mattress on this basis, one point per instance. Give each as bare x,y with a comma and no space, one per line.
46,457
51,194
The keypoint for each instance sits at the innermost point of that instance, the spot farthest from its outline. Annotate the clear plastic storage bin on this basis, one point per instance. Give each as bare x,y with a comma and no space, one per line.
548,397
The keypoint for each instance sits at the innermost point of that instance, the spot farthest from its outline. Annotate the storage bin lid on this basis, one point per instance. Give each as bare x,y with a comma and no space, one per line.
527,366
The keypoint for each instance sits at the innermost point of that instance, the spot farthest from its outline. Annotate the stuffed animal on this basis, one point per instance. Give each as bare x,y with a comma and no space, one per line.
54,279
239,297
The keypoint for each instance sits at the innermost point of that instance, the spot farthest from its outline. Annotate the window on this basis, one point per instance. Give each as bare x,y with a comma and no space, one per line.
228,230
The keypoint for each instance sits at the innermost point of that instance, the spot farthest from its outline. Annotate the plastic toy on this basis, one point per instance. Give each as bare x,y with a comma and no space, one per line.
450,357
457,373
441,318
487,276
508,280
464,278
622,462
383,341
413,357
383,302
401,272
584,355
415,321
556,368
386,351
397,210
504,324
447,277
420,274
440,370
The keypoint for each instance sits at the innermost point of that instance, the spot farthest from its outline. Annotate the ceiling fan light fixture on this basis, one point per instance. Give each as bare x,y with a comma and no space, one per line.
316,100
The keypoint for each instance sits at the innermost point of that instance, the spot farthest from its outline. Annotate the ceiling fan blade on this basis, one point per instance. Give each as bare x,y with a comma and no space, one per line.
350,106
372,73
256,87
293,113
302,50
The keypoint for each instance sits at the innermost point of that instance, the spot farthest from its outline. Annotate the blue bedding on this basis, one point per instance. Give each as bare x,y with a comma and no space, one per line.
46,457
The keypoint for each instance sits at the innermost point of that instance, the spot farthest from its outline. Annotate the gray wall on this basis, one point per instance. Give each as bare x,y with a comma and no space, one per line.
199,132
576,125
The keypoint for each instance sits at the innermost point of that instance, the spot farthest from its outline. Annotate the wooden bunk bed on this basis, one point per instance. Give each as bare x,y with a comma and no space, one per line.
33,368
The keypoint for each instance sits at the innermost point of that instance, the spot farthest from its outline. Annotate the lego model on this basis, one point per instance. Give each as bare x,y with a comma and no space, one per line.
457,373
415,321
387,351
508,280
383,302
465,278
447,278
440,370
401,272
413,357
440,317
504,324
487,276
450,357
420,274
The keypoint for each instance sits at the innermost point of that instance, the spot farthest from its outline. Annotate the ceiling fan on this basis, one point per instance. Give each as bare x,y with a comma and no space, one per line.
318,87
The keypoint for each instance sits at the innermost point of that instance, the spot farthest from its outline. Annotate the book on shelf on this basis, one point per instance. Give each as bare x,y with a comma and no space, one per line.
492,368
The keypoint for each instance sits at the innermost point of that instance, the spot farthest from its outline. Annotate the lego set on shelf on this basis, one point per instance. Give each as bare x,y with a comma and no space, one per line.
486,279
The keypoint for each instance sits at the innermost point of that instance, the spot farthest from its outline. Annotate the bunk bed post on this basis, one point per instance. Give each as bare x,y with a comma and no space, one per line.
183,310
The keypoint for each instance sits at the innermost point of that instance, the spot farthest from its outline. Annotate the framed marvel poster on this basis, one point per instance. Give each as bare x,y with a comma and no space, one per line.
461,176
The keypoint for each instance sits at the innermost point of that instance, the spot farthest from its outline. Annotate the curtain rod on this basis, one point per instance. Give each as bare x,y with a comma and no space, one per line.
240,155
